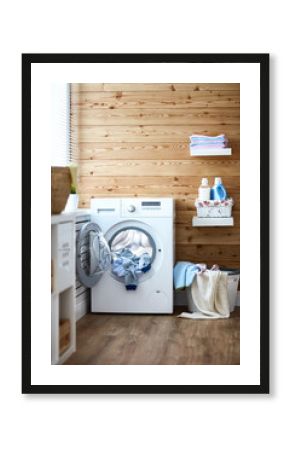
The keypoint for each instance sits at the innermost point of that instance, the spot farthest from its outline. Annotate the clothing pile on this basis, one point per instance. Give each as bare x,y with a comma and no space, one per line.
199,142
128,266
207,290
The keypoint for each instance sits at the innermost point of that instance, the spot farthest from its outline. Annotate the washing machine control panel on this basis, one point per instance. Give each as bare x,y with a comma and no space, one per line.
146,207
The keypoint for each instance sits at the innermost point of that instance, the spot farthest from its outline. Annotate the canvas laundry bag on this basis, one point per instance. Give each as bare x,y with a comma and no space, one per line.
210,296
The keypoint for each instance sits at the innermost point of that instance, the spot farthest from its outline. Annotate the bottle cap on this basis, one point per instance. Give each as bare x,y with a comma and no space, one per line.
204,182
217,180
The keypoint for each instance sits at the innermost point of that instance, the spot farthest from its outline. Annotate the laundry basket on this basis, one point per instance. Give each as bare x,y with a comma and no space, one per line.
214,208
232,286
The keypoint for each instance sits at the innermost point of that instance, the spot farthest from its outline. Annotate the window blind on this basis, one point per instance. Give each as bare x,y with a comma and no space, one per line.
64,142
73,125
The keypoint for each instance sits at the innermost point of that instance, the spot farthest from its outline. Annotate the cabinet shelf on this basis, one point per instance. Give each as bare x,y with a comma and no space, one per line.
211,152
63,327
212,221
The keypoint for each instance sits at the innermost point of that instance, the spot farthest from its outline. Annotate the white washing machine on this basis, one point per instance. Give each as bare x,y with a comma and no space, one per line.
140,226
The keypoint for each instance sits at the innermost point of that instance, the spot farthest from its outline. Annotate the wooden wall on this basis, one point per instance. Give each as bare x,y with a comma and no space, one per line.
133,140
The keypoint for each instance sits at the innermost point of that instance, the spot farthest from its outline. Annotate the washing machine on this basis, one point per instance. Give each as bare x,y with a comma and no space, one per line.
140,226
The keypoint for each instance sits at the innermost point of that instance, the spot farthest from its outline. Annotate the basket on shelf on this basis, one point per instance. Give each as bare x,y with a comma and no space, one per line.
214,208
60,188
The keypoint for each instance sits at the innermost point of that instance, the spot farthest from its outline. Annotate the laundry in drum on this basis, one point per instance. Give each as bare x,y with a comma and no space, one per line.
129,266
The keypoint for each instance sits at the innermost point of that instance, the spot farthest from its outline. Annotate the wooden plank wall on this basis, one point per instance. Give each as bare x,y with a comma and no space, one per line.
134,141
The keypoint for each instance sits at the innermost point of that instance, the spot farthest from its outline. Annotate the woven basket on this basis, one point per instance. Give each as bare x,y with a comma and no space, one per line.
60,188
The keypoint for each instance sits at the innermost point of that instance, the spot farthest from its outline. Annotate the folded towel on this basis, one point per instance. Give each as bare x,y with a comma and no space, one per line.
208,141
184,273
199,137
193,143
210,294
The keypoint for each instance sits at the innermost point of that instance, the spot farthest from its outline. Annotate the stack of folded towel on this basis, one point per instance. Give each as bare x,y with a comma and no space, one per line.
199,142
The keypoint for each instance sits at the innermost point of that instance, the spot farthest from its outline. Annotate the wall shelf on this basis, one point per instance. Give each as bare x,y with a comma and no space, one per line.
211,152
212,221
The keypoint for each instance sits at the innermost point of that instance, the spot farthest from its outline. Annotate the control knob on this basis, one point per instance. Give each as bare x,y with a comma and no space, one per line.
131,208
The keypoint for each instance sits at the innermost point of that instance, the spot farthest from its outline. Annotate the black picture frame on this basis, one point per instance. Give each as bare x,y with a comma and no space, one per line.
247,58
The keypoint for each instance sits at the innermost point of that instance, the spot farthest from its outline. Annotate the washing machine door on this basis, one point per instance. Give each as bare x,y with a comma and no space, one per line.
93,255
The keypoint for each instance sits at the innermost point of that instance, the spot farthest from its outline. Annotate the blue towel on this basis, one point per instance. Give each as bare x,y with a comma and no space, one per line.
184,273
196,138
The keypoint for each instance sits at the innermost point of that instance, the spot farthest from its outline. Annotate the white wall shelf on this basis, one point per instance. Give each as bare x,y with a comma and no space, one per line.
212,221
211,152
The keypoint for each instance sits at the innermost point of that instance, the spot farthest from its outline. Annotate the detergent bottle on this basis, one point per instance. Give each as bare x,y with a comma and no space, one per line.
218,191
204,190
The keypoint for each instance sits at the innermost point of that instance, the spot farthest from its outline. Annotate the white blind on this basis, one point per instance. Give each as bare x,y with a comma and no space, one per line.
74,123
60,124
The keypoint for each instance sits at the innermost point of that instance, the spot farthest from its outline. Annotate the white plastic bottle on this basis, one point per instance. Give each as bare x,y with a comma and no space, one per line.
204,190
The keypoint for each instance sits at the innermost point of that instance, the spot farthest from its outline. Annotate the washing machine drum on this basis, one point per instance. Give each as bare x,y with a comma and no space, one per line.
135,239
93,255
134,246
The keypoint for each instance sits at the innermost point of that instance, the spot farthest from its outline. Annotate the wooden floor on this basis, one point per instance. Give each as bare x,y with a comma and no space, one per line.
156,339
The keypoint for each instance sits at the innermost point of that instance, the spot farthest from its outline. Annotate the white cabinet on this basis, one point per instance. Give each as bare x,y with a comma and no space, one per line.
63,250
63,322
